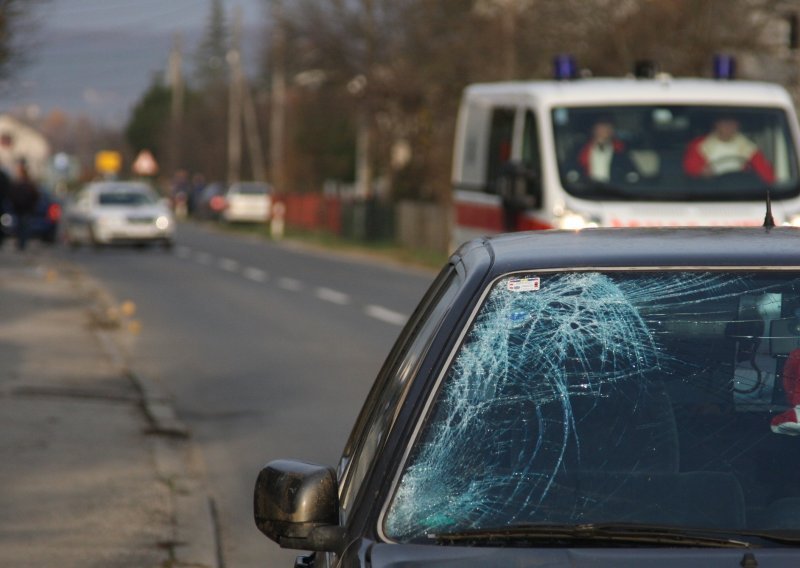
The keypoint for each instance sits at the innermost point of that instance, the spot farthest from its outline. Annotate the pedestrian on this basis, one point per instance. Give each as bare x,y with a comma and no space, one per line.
23,196
5,206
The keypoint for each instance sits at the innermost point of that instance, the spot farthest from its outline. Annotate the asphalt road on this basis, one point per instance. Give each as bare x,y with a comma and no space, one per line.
268,350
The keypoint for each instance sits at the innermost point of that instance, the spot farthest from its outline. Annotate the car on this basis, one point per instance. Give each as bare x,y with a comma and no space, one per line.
119,212
248,202
44,222
210,202
600,397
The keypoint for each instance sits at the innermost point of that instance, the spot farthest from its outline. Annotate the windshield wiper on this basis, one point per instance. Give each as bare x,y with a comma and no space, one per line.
608,534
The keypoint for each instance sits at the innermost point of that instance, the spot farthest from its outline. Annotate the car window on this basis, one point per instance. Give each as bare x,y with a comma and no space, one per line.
659,398
252,189
380,409
125,198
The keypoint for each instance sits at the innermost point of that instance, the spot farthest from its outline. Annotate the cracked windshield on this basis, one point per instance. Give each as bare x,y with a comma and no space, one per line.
593,397
261,297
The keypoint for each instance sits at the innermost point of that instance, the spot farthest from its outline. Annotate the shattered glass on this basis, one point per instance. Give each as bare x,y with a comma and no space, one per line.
614,397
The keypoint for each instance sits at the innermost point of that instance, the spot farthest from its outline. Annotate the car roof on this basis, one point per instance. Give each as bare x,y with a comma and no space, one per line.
713,247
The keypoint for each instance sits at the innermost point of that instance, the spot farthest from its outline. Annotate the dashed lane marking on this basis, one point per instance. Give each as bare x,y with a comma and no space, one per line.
255,274
202,258
183,252
293,285
290,284
228,264
332,296
385,315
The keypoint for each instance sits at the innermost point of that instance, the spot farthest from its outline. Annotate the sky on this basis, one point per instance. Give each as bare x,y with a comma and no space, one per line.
96,57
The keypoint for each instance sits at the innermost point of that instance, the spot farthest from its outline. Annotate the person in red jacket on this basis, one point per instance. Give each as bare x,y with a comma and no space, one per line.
604,157
725,150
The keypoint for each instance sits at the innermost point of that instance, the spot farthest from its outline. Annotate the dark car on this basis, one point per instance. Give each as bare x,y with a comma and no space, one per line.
210,202
43,224
604,398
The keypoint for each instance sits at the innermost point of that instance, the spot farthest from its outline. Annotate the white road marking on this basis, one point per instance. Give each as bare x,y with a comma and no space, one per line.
255,274
202,258
290,284
332,296
228,264
385,315
183,252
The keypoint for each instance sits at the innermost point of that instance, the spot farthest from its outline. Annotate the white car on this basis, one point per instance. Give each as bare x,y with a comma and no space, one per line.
248,202
119,212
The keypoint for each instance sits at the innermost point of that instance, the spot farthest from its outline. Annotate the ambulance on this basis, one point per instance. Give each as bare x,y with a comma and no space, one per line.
641,151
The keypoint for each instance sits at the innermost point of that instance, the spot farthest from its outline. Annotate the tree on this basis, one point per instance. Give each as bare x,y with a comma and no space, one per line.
17,26
211,69
146,128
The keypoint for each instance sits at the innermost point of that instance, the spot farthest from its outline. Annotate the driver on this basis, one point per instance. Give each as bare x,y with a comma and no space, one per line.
725,150
604,158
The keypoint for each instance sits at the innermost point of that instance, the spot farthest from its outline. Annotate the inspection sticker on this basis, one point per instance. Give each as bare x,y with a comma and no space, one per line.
524,284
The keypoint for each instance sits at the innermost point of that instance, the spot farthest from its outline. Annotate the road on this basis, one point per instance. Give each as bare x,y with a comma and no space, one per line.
268,350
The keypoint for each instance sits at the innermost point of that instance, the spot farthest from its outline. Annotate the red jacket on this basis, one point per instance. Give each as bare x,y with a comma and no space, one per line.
695,161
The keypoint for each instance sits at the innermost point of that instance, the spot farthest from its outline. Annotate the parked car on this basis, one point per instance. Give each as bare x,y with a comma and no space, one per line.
119,212
605,397
248,202
210,202
44,222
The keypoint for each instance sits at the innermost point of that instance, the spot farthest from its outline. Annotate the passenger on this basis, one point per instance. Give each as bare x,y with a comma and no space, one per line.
725,150
604,158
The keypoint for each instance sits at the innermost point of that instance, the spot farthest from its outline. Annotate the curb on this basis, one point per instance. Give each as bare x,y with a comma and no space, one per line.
195,533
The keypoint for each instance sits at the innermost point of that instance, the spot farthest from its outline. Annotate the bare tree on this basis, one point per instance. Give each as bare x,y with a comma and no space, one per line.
18,25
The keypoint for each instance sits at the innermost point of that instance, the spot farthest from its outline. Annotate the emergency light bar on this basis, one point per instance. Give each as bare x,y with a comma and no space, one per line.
724,67
564,67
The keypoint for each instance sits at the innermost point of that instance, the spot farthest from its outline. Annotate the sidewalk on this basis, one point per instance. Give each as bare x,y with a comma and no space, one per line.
95,469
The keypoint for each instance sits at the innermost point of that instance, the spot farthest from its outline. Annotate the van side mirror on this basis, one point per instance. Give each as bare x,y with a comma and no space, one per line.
296,504
519,186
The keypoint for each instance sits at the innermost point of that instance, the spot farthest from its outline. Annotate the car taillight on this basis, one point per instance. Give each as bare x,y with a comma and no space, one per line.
217,203
54,212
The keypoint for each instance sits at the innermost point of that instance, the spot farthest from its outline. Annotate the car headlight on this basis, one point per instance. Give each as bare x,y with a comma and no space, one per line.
792,220
572,221
162,222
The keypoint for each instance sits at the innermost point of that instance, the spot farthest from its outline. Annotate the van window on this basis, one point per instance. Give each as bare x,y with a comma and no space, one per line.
500,141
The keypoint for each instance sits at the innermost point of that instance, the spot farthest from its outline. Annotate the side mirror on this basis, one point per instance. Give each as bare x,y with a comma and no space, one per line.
296,504
519,186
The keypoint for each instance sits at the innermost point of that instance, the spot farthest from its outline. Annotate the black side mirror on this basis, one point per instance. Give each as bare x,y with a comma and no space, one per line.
296,504
519,186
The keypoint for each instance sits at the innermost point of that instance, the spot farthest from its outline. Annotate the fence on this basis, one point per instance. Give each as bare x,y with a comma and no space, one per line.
408,223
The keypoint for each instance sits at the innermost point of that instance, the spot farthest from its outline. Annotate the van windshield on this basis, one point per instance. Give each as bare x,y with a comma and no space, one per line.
675,153
665,399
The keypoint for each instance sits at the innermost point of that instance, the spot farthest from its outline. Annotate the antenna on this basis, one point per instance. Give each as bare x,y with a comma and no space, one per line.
769,220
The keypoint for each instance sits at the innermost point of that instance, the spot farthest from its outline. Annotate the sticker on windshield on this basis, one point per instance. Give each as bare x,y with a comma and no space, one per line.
523,284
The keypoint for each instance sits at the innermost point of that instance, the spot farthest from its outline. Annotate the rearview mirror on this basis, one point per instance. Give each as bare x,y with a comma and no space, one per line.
296,504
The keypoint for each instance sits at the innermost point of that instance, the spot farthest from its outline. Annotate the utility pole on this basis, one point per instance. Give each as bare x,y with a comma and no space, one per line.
234,58
254,146
277,122
175,78
361,87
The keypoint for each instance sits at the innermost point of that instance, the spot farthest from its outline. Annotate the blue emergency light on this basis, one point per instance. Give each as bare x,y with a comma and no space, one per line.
724,66
564,67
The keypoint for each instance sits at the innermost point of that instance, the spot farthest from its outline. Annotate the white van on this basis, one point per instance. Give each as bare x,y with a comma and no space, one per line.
525,154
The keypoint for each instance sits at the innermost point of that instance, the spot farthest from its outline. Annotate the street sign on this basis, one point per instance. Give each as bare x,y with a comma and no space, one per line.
108,162
145,164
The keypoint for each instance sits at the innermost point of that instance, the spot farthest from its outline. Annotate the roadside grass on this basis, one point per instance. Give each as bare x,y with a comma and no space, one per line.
420,258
